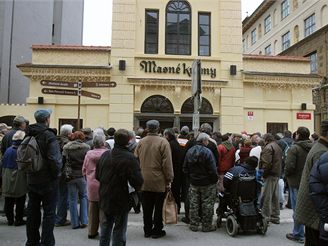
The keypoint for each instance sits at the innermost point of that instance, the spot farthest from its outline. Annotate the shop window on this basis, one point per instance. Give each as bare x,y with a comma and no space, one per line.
309,25
275,128
285,9
267,24
204,34
268,50
178,28
151,32
157,104
285,39
253,36
188,107
313,62
72,122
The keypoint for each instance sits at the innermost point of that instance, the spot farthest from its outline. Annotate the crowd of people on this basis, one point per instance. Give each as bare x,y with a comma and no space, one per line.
92,173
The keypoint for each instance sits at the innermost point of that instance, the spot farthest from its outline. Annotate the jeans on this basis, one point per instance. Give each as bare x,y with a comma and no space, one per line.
62,203
46,195
77,189
119,232
298,230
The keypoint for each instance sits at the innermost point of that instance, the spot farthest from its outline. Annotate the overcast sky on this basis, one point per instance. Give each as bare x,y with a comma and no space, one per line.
98,19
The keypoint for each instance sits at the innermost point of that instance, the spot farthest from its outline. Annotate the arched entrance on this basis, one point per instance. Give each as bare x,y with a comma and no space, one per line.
156,107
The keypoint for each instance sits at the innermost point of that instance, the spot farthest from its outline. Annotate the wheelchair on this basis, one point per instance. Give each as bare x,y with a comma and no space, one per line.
242,214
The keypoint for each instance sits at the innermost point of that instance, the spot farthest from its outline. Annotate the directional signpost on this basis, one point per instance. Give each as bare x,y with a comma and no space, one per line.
78,92
196,87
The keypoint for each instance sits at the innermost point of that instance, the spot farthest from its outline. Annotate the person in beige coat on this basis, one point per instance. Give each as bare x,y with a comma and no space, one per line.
154,154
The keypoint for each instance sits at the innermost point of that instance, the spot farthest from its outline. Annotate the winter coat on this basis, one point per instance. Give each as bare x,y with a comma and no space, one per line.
318,185
295,162
14,181
7,140
305,211
155,158
89,170
74,153
50,152
199,165
114,171
177,160
271,160
226,157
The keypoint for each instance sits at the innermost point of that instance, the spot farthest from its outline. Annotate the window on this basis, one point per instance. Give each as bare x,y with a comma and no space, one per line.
285,40
151,32
204,34
284,9
313,62
178,28
268,50
309,25
253,36
267,24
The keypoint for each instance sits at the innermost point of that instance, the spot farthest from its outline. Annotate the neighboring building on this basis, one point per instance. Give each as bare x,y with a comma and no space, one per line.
276,25
315,46
154,44
23,23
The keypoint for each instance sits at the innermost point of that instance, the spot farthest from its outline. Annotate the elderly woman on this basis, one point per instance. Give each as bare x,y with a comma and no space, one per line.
14,183
89,170
74,153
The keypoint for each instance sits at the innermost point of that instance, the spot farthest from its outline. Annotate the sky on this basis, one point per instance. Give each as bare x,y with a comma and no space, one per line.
98,19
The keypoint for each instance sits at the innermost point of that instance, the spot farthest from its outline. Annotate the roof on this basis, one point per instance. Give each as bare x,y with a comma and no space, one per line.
276,58
71,47
249,21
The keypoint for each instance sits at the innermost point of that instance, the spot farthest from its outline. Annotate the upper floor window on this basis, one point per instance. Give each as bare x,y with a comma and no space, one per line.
285,40
151,32
267,24
309,25
204,34
268,50
178,28
285,9
314,62
253,36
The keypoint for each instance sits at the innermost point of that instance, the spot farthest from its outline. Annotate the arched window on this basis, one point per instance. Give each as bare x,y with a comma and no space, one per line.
188,107
178,28
157,104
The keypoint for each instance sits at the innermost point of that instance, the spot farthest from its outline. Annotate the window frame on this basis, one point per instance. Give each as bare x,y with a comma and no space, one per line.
253,36
266,30
190,27
285,9
209,36
145,40
313,65
312,26
285,42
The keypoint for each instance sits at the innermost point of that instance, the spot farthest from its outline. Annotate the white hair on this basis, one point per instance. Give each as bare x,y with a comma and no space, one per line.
19,135
202,137
66,129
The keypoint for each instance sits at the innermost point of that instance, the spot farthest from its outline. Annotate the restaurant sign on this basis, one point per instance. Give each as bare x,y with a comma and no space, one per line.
181,68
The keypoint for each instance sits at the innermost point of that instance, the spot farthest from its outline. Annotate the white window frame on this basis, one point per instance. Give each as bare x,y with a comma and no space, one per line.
309,25
253,36
267,24
285,41
285,9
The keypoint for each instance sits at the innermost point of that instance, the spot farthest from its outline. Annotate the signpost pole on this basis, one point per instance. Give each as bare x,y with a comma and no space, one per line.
196,93
79,104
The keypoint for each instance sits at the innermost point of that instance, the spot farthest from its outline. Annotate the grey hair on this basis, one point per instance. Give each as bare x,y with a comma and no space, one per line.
99,139
99,130
202,137
132,134
66,129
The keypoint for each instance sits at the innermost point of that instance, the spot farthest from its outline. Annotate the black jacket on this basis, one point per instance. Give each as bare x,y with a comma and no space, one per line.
237,171
177,155
318,184
200,166
114,171
50,152
7,140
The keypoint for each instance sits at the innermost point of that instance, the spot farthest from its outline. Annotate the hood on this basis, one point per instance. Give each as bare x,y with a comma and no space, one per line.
305,144
76,145
227,145
194,153
35,129
95,154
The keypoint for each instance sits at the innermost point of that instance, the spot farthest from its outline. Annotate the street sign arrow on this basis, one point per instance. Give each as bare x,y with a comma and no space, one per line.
99,84
59,92
91,94
59,83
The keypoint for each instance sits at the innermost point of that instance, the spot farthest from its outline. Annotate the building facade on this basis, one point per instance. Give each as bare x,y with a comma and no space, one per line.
23,23
154,44
277,25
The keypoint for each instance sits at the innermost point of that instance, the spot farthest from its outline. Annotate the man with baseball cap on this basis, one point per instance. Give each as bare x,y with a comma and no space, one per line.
43,184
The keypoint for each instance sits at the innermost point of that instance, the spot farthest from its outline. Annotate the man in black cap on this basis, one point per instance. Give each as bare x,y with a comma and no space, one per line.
43,184
305,211
19,123
154,153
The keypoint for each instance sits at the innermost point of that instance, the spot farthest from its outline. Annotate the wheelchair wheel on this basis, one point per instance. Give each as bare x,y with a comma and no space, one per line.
263,226
231,226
